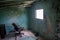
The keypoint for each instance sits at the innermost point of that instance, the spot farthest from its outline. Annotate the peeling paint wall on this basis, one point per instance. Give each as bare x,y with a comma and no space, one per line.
13,14
42,26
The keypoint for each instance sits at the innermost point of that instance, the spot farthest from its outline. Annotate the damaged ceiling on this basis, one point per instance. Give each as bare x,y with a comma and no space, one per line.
23,3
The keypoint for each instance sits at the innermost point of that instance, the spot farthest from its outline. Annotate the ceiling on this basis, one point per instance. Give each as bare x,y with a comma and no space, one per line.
23,3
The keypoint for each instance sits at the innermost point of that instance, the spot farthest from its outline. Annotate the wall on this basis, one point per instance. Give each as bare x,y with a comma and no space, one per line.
13,14
39,25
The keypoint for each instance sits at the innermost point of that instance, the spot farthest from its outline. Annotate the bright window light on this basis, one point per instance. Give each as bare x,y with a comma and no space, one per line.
39,14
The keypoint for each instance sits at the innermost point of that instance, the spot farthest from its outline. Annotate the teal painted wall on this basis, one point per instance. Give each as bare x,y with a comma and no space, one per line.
17,15
41,25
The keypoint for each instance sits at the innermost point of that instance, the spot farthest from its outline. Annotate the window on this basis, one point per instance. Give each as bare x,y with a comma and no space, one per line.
39,14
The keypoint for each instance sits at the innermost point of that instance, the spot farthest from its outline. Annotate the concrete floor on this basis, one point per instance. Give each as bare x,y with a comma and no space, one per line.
18,38
11,36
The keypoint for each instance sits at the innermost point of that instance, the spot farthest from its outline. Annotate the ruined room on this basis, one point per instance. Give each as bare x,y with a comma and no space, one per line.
29,19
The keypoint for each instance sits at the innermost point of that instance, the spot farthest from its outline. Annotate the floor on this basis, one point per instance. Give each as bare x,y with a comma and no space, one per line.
27,36
13,38
18,38
8,38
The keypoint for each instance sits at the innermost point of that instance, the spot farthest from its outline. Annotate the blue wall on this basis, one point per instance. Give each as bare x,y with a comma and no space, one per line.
13,14
39,25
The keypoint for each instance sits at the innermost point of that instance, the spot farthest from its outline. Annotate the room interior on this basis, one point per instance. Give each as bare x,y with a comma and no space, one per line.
40,17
